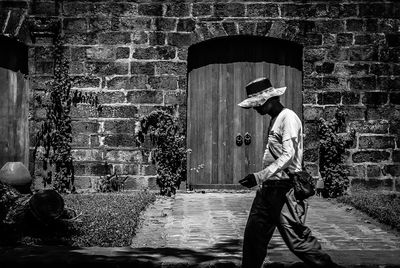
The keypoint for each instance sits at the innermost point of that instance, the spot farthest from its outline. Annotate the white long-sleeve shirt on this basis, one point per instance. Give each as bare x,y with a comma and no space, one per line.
285,143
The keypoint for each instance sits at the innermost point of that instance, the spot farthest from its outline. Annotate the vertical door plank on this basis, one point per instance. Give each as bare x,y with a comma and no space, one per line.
208,128
250,119
21,118
266,118
258,135
189,124
196,135
27,139
201,131
297,87
223,144
4,118
294,90
17,118
238,151
196,119
4,84
272,74
12,120
281,81
214,69
255,151
233,123
287,96
245,72
294,94
289,89
192,123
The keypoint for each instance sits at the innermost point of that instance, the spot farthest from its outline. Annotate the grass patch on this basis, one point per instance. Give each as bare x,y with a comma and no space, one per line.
383,206
104,220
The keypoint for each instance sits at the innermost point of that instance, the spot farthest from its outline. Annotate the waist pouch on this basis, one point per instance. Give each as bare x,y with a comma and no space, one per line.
303,184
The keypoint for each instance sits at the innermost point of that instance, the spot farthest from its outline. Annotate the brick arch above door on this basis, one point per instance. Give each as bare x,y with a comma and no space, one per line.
192,31
249,48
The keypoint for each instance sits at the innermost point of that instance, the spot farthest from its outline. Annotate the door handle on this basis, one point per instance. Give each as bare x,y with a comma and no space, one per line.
247,138
239,140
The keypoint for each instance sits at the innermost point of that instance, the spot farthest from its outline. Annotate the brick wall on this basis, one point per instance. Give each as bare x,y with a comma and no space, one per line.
135,55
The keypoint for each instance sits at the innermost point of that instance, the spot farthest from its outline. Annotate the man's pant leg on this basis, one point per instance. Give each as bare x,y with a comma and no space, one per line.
259,230
298,237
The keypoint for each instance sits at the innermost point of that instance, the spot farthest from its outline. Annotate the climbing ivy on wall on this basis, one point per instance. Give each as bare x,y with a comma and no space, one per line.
332,150
53,140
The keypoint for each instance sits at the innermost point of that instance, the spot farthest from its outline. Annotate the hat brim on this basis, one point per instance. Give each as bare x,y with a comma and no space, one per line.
261,98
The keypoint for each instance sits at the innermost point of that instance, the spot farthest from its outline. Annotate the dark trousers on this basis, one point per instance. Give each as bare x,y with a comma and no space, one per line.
275,206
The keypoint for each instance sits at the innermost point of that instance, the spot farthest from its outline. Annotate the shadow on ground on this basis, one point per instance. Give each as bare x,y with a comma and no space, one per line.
224,254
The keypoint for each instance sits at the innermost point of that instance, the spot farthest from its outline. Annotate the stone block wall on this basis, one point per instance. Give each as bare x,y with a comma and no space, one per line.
133,54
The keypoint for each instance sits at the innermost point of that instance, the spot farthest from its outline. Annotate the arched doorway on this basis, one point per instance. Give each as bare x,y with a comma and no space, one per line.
218,71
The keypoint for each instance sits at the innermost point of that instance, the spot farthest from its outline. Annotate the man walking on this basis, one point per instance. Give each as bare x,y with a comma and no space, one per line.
275,204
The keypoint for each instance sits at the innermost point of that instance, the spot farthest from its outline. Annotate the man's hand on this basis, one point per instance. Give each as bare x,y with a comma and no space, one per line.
249,181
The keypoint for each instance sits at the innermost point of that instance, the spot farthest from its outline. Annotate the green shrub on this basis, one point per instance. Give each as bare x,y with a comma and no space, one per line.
331,154
169,148
382,206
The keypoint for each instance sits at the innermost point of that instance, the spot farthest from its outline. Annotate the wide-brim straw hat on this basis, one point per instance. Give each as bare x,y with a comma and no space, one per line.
259,91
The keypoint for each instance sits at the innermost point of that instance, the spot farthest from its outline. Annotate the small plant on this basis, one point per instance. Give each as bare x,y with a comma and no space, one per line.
169,152
331,154
110,182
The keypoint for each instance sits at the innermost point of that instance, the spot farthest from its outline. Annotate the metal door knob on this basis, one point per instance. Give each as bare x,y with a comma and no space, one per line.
247,138
239,140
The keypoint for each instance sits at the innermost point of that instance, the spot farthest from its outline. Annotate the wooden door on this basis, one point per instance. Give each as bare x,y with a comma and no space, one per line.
215,119
14,126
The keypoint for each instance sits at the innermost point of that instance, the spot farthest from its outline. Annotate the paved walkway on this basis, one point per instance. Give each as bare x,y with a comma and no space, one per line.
214,223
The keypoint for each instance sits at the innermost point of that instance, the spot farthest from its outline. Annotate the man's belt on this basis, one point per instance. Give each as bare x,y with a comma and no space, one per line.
278,183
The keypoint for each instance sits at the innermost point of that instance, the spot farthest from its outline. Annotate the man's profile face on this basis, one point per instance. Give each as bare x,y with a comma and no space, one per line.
266,108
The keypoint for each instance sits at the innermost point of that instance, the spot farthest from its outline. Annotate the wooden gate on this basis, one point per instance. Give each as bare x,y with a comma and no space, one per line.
14,103
218,71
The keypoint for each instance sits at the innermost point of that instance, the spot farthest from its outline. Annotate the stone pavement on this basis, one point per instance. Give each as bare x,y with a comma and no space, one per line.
213,223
